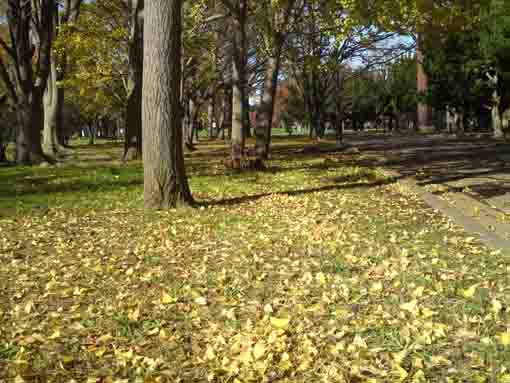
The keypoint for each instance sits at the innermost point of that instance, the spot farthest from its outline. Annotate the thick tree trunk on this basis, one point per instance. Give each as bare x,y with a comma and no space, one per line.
133,134
50,100
28,143
165,181
30,83
265,115
238,136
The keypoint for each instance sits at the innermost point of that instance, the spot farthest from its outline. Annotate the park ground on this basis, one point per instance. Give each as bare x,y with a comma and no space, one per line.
323,268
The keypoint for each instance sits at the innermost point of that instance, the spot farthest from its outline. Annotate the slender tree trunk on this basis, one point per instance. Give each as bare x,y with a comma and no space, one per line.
226,126
191,124
211,119
424,110
246,114
92,133
133,135
265,115
3,156
50,100
165,181
497,123
70,15
238,138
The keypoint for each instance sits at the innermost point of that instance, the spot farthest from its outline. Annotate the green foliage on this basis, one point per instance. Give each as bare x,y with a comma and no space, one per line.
96,47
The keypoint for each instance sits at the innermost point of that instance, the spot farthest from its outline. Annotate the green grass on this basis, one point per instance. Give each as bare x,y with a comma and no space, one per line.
372,282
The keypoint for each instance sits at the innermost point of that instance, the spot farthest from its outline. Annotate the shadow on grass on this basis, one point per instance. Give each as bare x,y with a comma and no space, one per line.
251,198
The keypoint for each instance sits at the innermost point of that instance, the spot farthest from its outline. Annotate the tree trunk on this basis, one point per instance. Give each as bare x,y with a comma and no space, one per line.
497,123
238,138
70,15
246,114
165,181
226,126
28,143
133,135
50,101
3,156
265,115
191,123
424,110
25,21
92,133
210,119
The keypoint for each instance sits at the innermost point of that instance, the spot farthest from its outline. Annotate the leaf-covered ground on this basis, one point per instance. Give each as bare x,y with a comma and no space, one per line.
316,270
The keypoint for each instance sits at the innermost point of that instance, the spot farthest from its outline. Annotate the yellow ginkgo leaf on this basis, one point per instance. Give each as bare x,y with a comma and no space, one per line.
259,350
55,335
403,374
411,306
281,323
377,286
168,299
209,354
418,292
504,338
469,292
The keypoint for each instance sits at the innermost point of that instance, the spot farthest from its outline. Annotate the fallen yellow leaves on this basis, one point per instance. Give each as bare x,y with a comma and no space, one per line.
280,323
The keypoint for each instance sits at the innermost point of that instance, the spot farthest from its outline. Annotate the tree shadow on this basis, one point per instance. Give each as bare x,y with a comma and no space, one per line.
442,161
255,197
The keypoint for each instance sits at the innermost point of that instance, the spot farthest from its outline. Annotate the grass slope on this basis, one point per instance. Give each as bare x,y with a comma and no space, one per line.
315,270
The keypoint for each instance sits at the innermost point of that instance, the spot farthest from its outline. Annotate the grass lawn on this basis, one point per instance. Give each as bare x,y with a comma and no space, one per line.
316,270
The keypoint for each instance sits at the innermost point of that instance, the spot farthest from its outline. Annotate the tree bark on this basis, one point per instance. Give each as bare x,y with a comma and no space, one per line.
265,115
165,181
30,80
133,132
497,123
3,156
238,137
424,110
211,119
50,101
69,15
246,113
226,126
28,143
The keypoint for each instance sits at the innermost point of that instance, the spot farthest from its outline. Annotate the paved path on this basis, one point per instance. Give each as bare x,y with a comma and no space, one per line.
466,179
